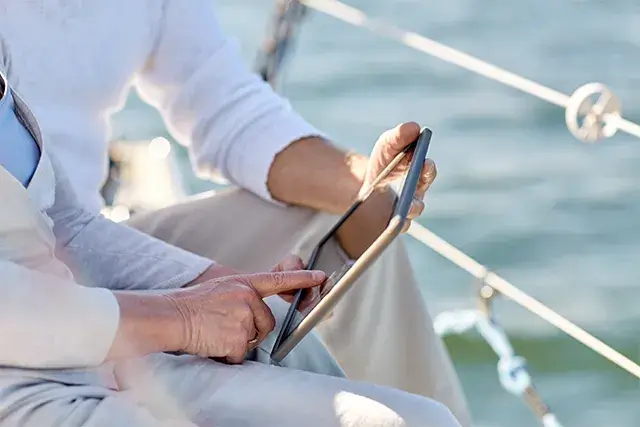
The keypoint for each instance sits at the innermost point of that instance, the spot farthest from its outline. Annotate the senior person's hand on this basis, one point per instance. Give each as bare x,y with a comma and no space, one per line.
225,317
389,145
371,218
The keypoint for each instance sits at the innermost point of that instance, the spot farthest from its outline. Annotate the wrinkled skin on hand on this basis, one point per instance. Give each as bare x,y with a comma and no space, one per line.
220,316
288,263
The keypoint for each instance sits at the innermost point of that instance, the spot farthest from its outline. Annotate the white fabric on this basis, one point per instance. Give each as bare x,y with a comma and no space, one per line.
54,338
40,304
74,61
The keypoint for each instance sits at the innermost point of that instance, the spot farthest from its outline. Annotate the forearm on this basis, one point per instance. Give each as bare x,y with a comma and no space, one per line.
106,254
315,174
110,255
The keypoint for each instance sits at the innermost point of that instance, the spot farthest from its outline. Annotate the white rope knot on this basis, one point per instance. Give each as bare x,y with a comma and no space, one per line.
513,374
512,369
593,113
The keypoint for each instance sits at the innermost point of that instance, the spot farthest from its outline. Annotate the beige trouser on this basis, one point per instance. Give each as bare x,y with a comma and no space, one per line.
182,391
187,391
380,333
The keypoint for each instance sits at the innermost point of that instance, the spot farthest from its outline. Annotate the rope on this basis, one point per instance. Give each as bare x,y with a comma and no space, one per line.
479,271
512,369
357,17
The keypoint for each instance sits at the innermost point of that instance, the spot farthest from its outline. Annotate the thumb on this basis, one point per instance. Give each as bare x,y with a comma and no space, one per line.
274,283
289,263
395,140
389,145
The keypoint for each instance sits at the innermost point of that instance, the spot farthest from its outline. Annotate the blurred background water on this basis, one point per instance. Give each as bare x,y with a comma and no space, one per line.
515,190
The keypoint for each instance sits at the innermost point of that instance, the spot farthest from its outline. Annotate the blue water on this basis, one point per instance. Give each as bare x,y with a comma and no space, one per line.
558,218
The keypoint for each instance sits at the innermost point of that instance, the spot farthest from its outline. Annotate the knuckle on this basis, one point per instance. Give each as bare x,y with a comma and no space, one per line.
278,279
245,312
220,288
243,292
240,311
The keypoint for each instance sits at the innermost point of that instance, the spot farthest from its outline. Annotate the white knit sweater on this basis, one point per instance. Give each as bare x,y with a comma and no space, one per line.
73,61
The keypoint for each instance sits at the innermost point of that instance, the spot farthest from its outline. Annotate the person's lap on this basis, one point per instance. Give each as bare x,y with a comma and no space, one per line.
381,332
163,390
257,394
28,402
187,391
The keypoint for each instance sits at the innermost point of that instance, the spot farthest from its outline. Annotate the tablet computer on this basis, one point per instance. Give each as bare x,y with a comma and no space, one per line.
298,323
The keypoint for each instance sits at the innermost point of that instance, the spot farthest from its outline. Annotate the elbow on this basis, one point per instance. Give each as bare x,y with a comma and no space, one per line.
68,223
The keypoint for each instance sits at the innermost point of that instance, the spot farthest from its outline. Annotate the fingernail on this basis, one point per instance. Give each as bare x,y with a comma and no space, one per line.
318,275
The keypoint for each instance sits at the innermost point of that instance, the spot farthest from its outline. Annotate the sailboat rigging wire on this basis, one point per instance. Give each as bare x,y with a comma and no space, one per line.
462,260
357,17
286,20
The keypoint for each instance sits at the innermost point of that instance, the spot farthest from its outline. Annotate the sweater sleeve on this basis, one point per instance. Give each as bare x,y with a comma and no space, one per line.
49,322
232,122
106,254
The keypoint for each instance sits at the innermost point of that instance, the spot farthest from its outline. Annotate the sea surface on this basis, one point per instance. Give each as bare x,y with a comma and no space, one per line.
558,218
